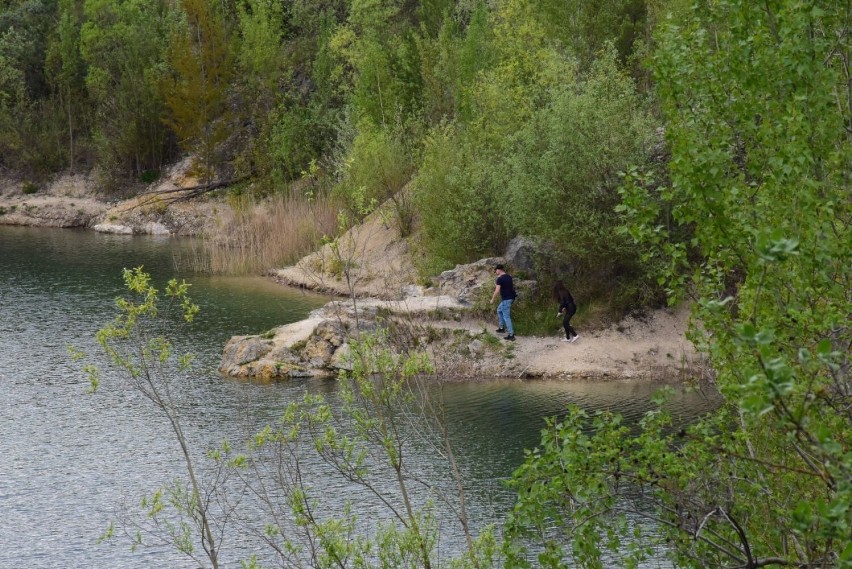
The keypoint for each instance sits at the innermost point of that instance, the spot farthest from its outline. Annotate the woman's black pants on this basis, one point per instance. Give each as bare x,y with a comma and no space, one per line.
566,322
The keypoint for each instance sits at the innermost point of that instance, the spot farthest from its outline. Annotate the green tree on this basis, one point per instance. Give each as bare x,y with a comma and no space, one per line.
563,173
385,400
587,27
377,44
757,108
66,69
461,184
13,87
379,166
259,84
456,194
123,46
386,408
35,22
260,53
137,343
196,88
303,126
33,137
451,61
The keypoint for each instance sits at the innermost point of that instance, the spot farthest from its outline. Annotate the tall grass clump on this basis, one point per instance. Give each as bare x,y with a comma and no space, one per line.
258,234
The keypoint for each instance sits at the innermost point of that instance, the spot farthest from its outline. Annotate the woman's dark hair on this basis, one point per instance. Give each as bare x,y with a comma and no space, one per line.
559,291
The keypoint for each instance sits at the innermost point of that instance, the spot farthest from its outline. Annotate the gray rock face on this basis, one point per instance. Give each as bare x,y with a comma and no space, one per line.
318,346
412,291
300,349
475,281
523,255
341,358
531,260
465,282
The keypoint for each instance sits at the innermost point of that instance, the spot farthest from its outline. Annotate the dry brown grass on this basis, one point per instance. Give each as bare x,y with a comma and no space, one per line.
260,235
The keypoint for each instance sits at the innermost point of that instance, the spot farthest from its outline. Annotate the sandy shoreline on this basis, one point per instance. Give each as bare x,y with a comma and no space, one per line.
654,346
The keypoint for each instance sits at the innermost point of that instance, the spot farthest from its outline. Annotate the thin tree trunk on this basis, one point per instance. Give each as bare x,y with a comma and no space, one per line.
70,135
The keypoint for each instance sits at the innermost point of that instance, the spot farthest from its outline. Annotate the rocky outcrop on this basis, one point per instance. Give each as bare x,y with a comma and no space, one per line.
522,255
531,259
466,282
473,283
113,228
319,345
67,202
73,201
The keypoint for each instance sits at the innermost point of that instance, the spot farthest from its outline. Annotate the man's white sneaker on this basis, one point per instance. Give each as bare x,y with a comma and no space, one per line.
575,338
565,340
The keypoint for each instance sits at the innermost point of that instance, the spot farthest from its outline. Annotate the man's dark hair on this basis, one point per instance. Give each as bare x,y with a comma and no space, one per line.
499,266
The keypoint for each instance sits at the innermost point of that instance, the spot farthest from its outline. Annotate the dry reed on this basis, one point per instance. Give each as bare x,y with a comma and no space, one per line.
259,235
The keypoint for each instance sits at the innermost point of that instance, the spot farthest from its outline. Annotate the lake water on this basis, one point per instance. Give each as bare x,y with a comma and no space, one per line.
69,460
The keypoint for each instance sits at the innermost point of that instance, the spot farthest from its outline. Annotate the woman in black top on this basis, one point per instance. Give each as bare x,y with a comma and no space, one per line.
567,309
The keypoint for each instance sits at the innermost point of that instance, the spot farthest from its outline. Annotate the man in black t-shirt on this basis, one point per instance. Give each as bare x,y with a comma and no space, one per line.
506,288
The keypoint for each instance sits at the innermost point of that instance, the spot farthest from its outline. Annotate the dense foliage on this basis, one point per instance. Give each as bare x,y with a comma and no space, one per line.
758,113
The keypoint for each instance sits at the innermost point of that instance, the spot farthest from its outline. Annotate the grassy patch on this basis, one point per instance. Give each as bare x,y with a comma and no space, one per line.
490,339
149,176
536,318
510,351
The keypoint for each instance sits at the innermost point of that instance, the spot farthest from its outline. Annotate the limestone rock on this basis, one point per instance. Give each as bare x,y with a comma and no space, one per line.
113,228
412,291
341,358
155,228
465,282
317,352
241,350
282,354
331,332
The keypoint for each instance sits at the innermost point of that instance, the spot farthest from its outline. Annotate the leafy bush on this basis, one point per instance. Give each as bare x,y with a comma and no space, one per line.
563,173
456,196
378,166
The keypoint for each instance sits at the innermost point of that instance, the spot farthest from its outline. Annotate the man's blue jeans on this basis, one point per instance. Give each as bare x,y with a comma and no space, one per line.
503,318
